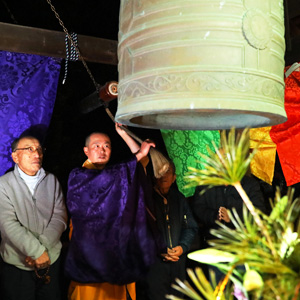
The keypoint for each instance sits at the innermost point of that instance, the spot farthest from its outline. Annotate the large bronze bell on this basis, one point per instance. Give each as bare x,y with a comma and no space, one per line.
198,64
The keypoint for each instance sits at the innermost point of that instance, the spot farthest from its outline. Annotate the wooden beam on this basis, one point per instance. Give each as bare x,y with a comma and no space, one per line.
23,39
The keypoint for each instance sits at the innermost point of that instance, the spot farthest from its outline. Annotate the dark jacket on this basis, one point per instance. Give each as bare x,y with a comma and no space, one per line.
178,229
182,224
206,207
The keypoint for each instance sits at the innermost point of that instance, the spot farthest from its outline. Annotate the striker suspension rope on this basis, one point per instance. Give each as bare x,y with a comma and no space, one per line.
73,44
74,54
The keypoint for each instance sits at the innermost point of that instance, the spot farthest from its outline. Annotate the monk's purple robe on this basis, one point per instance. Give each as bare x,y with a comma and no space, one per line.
111,241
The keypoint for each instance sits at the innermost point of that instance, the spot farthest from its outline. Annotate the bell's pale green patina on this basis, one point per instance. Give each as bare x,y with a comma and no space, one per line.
198,64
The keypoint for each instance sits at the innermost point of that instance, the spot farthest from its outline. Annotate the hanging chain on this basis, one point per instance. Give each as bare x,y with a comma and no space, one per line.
9,12
73,44
159,162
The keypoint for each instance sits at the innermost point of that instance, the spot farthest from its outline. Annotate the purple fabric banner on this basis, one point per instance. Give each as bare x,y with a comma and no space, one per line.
28,85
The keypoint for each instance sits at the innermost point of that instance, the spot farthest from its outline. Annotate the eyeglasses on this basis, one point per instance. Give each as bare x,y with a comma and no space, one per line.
32,149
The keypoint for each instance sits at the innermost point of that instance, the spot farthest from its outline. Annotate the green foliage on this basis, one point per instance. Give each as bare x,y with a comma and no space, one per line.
245,245
205,290
261,255
246,242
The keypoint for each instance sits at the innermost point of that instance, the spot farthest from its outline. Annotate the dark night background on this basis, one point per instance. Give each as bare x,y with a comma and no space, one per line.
98,18
69,127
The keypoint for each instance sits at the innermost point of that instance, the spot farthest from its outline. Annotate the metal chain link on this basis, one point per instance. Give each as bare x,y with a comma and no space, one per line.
73,44
9,12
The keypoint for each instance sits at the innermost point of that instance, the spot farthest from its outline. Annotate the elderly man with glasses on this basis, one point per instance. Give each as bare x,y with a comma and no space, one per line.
32,218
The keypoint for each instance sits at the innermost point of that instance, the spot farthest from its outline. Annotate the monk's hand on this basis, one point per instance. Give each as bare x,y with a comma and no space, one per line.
145,147
119,129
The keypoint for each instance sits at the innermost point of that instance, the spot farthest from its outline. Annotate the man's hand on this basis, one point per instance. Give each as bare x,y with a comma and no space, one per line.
173,254
167,257
223,214
43,261
29,261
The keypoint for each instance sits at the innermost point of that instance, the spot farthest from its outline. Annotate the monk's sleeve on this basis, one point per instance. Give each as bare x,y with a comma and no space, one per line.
111,241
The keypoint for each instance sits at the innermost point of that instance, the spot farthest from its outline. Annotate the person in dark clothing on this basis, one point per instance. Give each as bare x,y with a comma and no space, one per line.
214,204
178,228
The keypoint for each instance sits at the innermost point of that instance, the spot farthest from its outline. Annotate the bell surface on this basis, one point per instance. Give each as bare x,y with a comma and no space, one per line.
198,64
